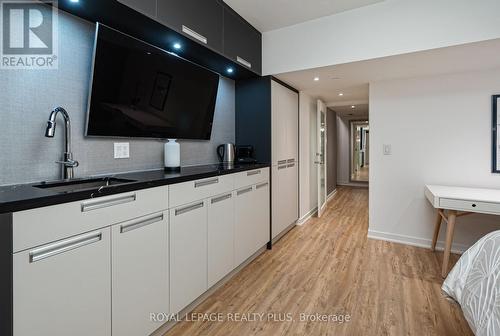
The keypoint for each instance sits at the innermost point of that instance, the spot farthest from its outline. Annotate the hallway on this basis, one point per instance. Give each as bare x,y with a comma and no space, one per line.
328,266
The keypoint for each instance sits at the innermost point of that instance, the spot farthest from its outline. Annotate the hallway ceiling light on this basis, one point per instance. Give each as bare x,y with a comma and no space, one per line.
353,106
316,79
341,94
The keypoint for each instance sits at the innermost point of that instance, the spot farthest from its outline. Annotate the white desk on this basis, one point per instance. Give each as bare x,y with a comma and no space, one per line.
453,202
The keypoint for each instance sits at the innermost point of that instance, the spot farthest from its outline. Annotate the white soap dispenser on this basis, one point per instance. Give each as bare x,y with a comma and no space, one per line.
172,156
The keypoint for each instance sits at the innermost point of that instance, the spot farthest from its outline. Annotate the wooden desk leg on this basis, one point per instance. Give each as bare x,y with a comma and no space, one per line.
437,227
452,216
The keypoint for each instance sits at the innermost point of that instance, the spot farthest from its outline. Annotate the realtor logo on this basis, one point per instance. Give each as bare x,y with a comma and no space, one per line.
29,34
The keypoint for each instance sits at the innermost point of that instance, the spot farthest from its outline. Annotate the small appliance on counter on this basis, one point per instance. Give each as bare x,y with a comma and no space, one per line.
172,157
226,153
245,154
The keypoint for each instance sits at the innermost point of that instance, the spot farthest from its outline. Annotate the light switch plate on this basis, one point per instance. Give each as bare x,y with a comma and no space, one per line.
122,150
387,150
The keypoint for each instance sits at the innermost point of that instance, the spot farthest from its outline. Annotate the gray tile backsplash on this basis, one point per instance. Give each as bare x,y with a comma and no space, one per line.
28,96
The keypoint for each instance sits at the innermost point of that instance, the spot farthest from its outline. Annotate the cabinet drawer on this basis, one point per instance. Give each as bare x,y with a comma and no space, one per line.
39,226
191,191
250,177
483,207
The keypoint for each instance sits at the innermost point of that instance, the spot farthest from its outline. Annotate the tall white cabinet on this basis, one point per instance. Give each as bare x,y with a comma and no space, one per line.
284,154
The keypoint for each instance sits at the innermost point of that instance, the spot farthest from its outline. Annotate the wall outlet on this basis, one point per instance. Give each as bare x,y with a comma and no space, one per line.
122,150
387,150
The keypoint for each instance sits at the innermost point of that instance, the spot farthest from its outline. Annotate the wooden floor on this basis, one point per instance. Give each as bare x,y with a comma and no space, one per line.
328,266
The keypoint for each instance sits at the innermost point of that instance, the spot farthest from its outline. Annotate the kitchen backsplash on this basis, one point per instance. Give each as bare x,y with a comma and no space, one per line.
28,96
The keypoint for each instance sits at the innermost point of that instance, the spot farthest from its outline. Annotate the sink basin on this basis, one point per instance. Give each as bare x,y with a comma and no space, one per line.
76,185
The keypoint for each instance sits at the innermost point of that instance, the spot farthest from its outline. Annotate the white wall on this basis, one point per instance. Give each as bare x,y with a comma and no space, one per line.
307,148
388,28
440,132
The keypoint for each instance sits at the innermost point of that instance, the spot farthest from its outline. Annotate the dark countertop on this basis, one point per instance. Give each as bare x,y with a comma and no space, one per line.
25,196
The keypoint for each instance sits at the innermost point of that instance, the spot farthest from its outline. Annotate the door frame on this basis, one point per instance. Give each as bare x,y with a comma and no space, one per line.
351,154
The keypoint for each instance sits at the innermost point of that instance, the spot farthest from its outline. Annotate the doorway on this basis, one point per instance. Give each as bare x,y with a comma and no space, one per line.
360,151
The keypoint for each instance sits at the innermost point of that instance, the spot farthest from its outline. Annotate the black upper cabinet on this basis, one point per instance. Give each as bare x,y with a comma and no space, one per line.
146,7
200,20
242,42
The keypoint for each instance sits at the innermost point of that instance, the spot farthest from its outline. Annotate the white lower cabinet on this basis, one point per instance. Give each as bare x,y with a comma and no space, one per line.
251,232
285,197
63,288
220,237
188,254
139,274
262,213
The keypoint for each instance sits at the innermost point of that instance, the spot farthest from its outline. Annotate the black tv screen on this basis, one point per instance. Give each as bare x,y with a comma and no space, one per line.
138,90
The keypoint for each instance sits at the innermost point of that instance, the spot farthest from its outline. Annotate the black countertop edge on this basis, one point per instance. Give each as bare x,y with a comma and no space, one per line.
22,197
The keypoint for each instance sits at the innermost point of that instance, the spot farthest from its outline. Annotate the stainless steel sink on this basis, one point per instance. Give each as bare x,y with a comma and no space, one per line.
86,184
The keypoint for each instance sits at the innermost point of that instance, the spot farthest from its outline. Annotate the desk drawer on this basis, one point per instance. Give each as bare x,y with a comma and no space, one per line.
472,206
187,192
251,177
40,226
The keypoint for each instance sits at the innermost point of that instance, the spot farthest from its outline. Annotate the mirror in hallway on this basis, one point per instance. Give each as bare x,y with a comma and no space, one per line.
360,154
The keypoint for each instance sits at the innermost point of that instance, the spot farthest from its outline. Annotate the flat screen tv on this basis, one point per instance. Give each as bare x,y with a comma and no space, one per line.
138,90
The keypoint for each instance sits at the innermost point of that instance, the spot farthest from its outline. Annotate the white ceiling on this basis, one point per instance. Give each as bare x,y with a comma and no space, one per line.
266,15
352,79
346,111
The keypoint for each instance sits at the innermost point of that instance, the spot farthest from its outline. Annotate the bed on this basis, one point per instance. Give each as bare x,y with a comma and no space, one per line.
474,283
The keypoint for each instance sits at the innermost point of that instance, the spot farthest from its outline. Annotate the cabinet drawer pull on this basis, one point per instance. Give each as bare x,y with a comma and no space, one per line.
194,34
281,167
221,198
291,165
254,172
243,61
188,208
94,205
262,185
66,245
280,162
290,160
244,191
140,223
206,182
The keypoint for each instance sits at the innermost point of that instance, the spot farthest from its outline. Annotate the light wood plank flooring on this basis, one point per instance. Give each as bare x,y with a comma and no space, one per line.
328,266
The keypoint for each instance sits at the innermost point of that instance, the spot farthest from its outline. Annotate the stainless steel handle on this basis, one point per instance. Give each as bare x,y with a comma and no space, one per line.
291,165
290,160
262,185
194,34
244,191
63,246
243,61
206,182
281,167
99,204
254,172
188,208
140,223
280,162
221,198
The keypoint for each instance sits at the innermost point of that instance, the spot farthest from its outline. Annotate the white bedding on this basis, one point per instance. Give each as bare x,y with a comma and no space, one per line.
474,283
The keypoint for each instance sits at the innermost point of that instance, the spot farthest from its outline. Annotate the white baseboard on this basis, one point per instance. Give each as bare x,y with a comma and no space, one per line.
308,215
414,241
330,196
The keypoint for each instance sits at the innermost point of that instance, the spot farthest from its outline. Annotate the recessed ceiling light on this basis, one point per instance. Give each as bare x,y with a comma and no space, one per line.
230,70
177,46
74,1
316,79
353,106
341,94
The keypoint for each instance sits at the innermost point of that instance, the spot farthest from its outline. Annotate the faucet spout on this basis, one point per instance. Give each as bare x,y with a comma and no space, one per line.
67,161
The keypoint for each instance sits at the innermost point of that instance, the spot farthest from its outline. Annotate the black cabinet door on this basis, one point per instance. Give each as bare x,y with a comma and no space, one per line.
200,20
146,7
242,42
